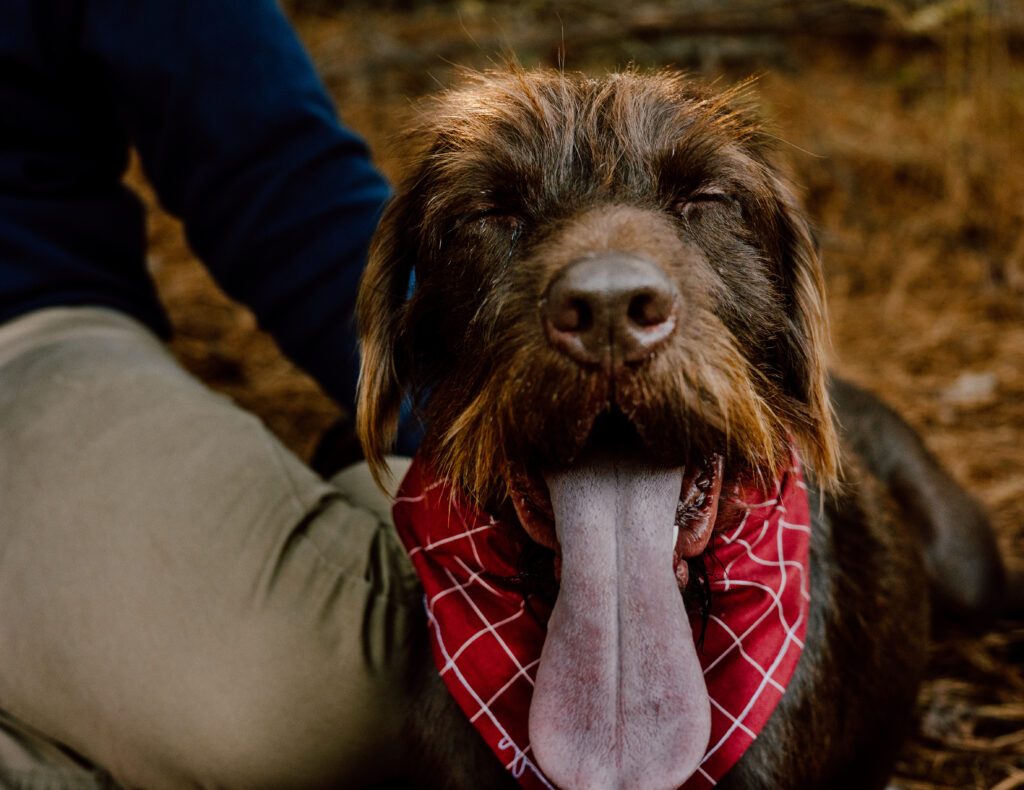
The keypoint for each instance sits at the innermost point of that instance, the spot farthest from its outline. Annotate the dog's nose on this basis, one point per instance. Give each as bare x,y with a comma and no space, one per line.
610,309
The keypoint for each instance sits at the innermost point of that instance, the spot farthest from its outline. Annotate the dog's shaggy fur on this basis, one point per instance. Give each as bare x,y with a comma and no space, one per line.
519,175
523,173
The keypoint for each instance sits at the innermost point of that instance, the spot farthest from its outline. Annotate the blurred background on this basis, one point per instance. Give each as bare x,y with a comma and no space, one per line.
903,120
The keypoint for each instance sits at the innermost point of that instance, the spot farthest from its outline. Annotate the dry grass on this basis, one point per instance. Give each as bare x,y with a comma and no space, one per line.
913,163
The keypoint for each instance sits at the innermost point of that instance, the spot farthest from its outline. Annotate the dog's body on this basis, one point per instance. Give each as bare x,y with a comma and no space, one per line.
614,288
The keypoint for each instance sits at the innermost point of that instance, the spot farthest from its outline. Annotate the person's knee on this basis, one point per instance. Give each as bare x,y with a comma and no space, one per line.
314,691
292,699
293,738
294,725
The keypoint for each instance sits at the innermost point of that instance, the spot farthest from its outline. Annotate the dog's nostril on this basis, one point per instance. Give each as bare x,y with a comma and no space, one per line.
610,308
571,315
650,308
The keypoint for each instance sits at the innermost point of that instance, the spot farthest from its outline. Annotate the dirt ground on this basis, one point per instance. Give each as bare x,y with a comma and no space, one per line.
910,149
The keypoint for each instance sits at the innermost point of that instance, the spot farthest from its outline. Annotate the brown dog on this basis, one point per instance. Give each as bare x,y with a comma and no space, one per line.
615,293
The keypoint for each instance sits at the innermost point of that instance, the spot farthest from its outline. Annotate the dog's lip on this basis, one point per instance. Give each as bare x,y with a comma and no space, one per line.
696,512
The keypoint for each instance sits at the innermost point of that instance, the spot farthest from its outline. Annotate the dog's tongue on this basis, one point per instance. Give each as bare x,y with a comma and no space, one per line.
620,699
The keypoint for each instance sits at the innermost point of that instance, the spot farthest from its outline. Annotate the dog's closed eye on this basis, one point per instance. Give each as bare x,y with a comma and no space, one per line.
490,221
496,219
499,228
695,205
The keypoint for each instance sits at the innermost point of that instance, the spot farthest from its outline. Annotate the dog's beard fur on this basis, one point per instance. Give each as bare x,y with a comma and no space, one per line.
689,401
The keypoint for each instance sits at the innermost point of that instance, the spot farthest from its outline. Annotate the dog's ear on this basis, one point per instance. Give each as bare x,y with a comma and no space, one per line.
380,311
806,346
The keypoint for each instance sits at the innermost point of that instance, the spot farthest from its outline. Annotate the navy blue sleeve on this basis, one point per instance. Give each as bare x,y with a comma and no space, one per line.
240,140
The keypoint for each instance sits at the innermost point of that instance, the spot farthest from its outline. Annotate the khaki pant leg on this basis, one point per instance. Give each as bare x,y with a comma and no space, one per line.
184,602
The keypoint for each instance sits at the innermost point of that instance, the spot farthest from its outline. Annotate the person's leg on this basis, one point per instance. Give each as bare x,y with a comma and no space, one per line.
185,603
29,761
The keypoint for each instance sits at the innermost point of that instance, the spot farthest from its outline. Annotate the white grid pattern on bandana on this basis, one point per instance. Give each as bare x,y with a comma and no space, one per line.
469,530
521,761
480,634
736,720
761,551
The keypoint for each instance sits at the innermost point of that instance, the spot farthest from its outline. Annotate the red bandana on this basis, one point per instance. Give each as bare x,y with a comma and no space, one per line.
487,644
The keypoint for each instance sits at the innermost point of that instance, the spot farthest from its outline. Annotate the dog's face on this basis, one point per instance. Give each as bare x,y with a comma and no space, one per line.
521,175
616,304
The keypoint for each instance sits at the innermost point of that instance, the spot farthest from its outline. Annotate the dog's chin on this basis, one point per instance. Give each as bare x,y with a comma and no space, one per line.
614,438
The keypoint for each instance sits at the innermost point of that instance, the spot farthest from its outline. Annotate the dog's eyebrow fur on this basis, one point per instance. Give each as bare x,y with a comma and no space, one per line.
523,127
